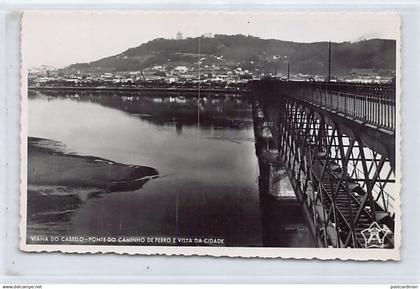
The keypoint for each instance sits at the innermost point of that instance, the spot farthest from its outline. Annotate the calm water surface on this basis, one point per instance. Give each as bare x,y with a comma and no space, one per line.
204,152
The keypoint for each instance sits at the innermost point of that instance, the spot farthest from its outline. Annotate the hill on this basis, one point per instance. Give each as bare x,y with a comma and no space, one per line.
252,53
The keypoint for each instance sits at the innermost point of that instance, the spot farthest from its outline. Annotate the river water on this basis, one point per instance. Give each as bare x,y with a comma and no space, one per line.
204,152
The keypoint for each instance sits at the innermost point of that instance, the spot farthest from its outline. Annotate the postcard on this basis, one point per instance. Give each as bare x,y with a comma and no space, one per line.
235,134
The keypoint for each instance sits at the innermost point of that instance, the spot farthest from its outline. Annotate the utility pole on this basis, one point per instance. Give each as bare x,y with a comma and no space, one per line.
329,61
288,70
199,87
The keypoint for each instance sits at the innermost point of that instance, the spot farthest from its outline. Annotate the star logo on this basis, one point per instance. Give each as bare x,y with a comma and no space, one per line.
374,236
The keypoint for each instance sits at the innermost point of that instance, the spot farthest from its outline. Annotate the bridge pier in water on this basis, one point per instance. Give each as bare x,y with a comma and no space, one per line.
336,145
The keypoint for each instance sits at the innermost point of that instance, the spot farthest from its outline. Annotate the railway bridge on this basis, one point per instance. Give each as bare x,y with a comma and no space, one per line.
336,142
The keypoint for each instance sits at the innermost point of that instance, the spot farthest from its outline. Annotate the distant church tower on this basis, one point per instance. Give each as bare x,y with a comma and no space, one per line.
179,35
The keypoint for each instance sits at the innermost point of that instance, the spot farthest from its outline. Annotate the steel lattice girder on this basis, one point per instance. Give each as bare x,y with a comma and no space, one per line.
342,189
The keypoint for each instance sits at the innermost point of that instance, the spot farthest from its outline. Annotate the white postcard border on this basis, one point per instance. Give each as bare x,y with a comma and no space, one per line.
248,252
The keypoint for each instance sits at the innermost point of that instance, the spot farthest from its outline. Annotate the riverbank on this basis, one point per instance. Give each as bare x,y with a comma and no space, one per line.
59,182
134,89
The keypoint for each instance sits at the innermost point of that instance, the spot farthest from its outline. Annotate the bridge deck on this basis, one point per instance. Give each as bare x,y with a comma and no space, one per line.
373,104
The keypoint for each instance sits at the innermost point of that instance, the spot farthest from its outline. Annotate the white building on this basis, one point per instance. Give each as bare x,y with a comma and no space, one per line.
181,69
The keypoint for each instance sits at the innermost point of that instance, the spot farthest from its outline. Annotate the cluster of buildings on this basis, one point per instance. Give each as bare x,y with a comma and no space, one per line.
203,72
371,76
178,75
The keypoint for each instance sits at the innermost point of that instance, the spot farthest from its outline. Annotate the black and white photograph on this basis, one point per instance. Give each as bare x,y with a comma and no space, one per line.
241,134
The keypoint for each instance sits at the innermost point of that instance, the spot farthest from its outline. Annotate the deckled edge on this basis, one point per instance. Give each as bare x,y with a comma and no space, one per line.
236,252
23,137
398,141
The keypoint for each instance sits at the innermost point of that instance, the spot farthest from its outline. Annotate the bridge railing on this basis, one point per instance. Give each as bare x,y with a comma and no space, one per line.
373,104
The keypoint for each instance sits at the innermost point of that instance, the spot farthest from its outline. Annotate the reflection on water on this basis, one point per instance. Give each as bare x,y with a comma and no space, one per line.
203,150
212,111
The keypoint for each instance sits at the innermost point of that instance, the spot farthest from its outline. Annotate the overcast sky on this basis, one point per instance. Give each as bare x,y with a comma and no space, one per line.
60,39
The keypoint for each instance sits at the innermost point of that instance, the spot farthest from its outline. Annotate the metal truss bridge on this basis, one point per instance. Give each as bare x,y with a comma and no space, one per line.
336,141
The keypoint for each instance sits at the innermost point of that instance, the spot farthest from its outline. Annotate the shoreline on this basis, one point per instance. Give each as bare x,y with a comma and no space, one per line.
134,89
48,164
60,182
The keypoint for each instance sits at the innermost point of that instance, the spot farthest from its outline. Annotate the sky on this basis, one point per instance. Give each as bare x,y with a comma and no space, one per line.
59,39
